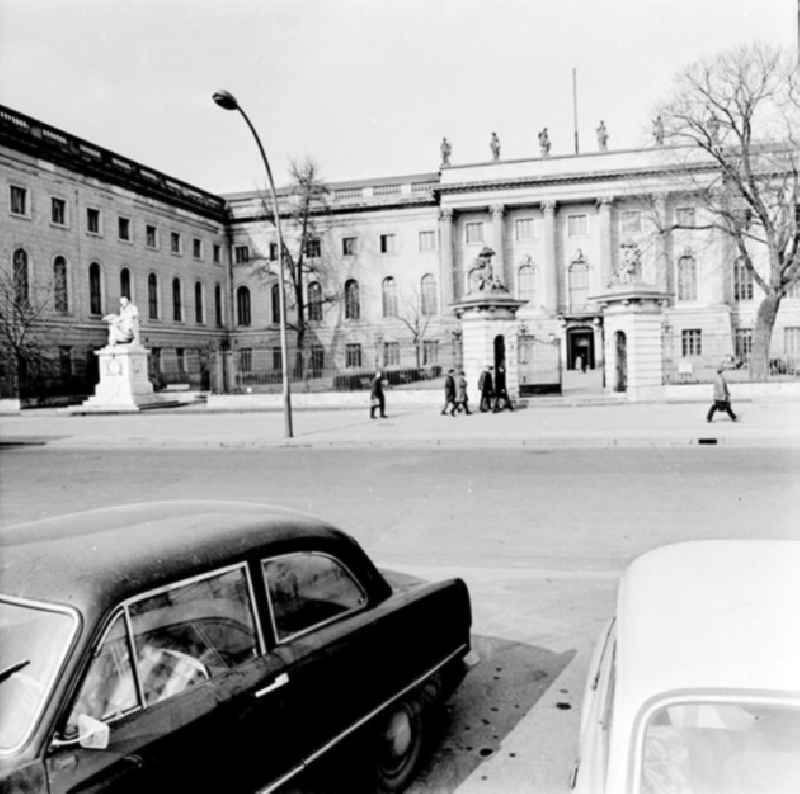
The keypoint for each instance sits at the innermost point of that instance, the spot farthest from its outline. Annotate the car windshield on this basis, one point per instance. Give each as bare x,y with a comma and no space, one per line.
33,641
722,748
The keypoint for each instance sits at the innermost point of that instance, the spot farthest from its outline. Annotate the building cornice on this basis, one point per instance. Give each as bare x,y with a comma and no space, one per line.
35,138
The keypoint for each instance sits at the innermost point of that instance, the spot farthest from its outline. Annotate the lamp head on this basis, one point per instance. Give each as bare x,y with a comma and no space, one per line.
226,100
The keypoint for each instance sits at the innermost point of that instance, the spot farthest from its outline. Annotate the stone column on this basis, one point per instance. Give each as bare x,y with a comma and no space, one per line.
499,266
663,277
446,275
549,265
606,264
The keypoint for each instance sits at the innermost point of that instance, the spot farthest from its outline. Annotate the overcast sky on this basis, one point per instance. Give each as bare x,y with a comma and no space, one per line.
365,87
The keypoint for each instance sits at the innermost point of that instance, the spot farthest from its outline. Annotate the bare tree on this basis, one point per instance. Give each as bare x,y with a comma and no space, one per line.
309,199
23,347
417,322
735,119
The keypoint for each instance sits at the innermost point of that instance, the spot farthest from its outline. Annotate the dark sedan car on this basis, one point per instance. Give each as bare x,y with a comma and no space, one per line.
211,646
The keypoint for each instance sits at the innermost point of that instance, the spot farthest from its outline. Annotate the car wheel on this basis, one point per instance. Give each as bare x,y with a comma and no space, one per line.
398,744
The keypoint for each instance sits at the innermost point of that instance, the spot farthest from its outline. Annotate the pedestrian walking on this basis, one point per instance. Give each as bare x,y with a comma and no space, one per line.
500,392
376,398
722,397
462,402
485,388
449,393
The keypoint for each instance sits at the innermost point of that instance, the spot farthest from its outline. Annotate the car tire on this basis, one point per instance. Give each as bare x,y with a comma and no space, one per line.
398,742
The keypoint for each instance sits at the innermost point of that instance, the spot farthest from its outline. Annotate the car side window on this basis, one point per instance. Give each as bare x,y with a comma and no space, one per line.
108,689
190,632
308,589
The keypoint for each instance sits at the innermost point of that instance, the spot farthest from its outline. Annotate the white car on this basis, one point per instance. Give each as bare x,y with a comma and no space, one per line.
694,686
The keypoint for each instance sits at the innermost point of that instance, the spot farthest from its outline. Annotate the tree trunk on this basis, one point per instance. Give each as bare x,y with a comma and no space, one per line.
762,335
301,330
417,346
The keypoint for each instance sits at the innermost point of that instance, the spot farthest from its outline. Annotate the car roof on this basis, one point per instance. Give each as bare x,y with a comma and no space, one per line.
94,559
716,614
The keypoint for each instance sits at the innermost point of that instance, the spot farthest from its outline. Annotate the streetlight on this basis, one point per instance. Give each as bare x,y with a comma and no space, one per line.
227,101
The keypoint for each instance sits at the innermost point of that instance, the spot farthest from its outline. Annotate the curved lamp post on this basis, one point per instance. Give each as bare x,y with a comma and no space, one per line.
227,101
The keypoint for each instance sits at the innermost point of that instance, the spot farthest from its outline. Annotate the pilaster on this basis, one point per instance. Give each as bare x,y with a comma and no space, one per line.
446,260
496,211
662,264
549,268
606,264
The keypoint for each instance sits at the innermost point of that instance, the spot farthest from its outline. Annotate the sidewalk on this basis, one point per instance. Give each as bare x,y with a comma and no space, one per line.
624,425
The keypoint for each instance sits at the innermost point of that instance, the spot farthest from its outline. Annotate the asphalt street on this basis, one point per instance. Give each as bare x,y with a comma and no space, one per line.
539,535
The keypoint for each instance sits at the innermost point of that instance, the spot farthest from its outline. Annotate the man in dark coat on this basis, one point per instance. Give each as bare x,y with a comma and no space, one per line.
462,401
449,393
485,389
376,398
500,392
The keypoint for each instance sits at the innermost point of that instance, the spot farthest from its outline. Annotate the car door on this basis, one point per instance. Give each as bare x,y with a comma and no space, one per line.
195,656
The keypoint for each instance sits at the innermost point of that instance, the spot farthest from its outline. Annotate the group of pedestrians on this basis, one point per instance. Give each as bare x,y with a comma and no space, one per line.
491,387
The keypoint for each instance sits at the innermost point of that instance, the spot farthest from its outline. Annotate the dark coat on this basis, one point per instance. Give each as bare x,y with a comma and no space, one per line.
500,381
461,393
449,388
377,389
485,382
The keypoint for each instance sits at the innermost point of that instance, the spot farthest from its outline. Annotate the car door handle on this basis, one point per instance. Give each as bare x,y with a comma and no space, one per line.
280,681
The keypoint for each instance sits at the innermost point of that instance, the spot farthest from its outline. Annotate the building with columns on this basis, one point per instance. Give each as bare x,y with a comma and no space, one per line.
604,300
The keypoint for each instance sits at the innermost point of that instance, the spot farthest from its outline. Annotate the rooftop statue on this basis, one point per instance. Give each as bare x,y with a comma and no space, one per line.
494,145
602,136
446,150
123,328
544,142
658,130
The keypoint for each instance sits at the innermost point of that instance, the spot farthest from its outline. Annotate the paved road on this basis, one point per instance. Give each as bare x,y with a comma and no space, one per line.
539,535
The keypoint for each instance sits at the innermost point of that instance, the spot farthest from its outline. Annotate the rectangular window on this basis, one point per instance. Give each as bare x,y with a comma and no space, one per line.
58,211
524,229
216,254
93,221
388,243
691,342
430,352
124,228
246,359
273,252
152,236
19,200
197,248
348,246
684,216
427,241
474,233
744,343
317,361
630,222
742,282
175,243
65,361
391,354
791,346
277,359
313,248
241,254
577,225
352,355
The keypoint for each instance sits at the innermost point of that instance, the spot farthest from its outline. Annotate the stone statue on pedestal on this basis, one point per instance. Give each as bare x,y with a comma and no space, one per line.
494,145
482,276
658,130
628,268
602,136
123,328
446,150
544,142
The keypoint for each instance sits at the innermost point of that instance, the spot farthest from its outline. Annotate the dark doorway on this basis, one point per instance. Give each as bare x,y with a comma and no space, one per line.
499,351
621,346
92,377
580,349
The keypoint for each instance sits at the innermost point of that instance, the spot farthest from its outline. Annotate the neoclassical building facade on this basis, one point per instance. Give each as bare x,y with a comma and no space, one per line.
391,260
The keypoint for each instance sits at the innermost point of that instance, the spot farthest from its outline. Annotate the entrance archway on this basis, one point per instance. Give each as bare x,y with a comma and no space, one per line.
621,346
580,349
499,351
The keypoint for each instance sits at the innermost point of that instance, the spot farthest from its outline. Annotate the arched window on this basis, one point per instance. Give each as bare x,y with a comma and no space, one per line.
243,306
152,296
198,303
275,300
389,290
218,305
60,293
578,285
125,283
687,278
315,301
95,299
21,291
352,309
176,300
427,290
526,283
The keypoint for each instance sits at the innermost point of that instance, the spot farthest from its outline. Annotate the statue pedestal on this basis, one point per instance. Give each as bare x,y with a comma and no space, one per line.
486,315
633,316
124,384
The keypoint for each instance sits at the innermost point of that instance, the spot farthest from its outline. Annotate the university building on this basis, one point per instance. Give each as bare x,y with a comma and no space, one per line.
395,266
